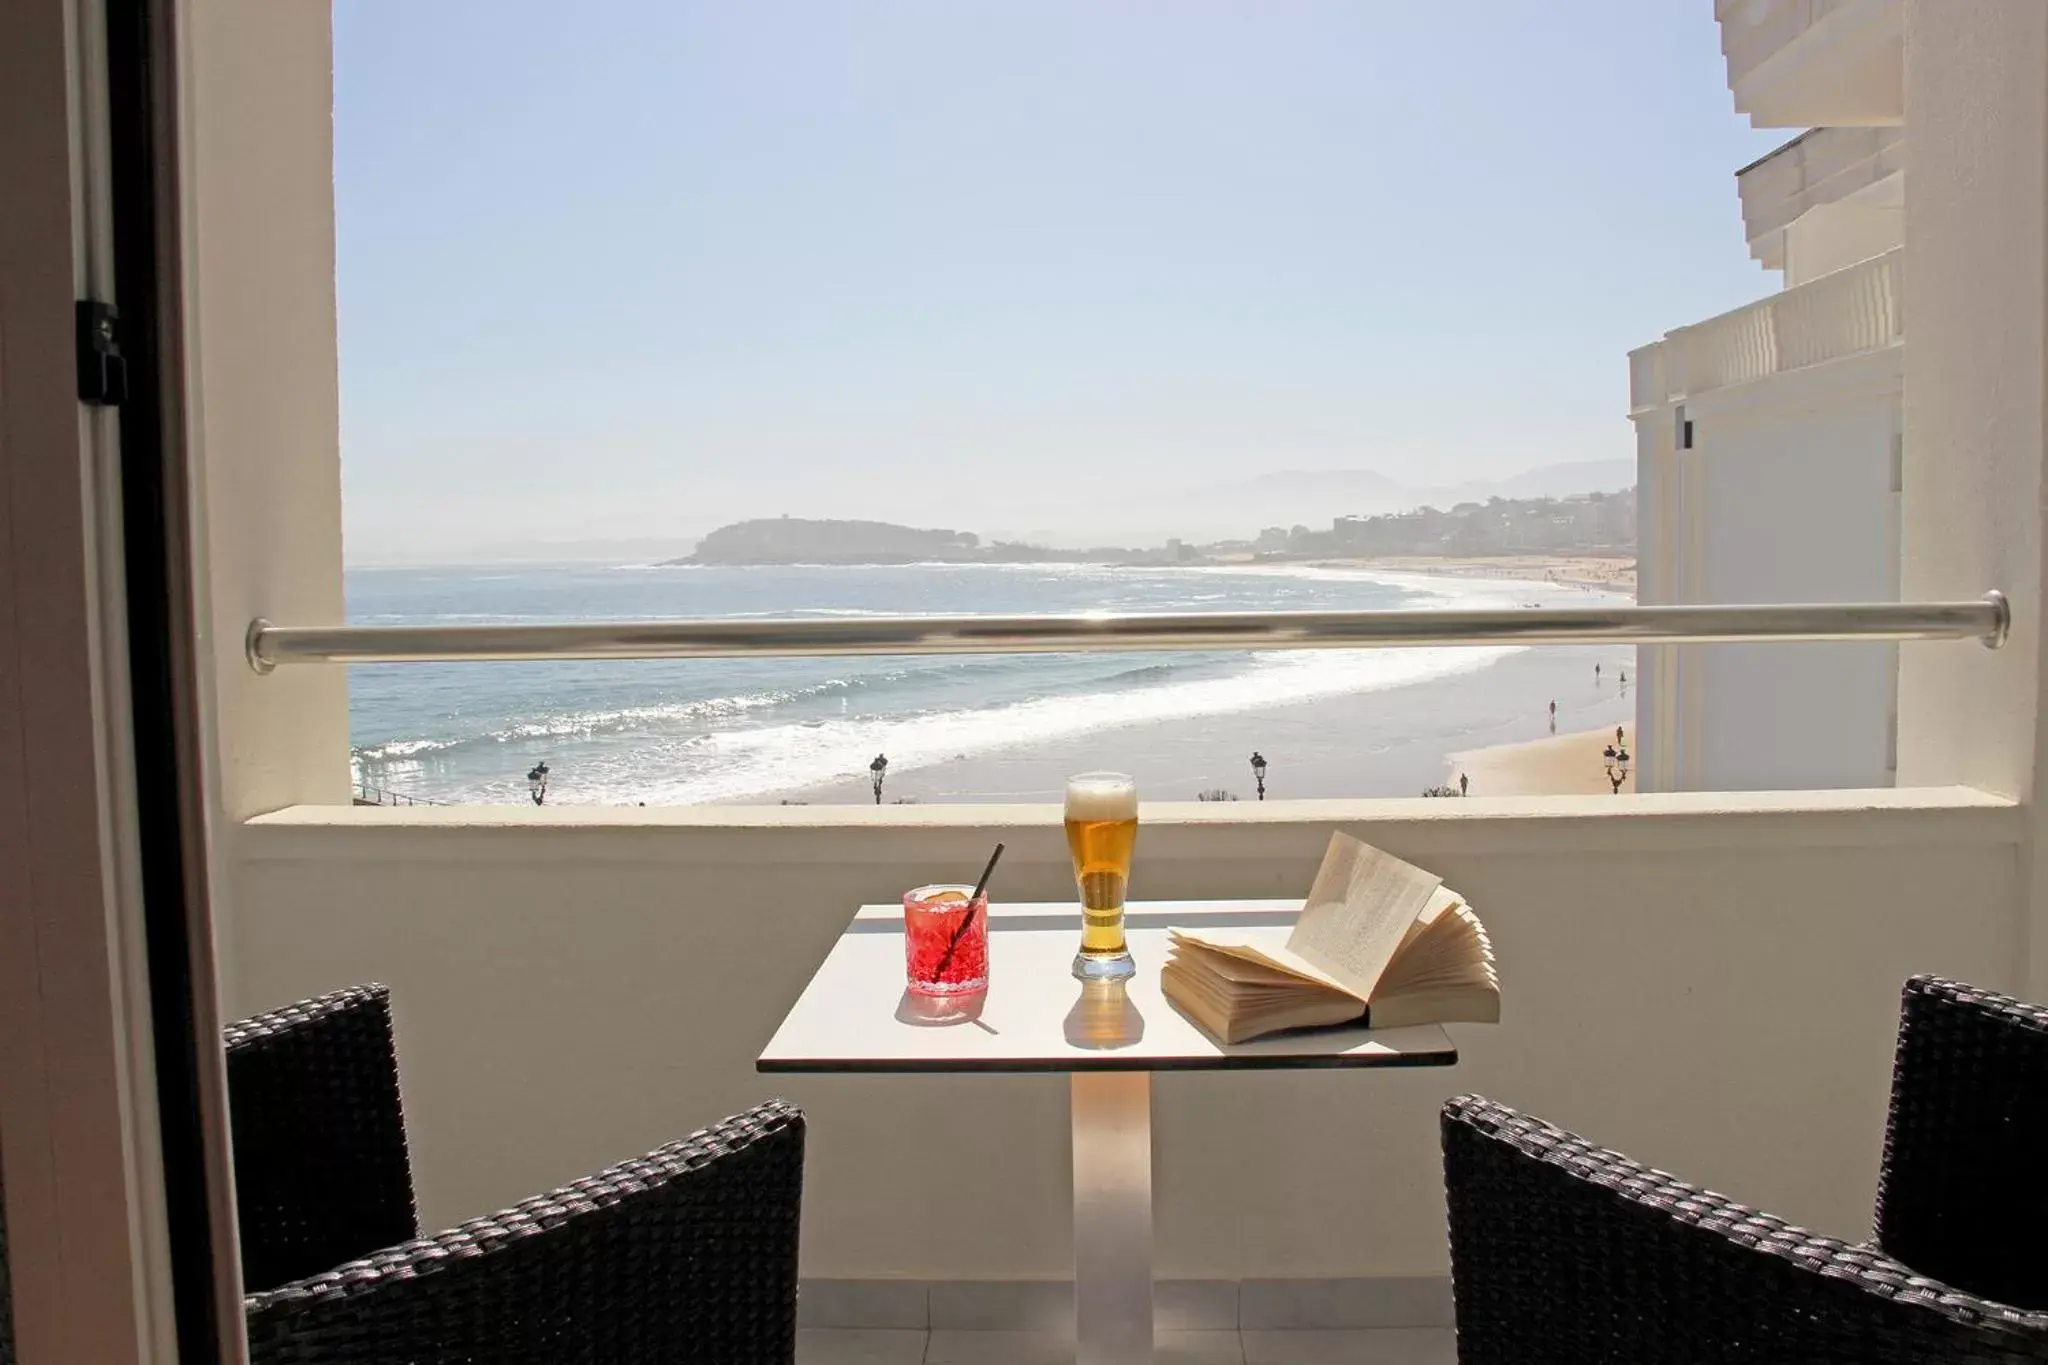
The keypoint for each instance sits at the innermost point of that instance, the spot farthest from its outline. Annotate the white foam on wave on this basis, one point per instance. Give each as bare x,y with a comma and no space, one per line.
736,764
714,764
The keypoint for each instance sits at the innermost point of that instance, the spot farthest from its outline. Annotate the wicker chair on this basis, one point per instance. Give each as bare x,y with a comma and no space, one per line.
1561,1251
686,1254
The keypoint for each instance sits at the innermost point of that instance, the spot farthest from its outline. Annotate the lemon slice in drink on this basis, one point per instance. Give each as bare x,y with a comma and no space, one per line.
946,897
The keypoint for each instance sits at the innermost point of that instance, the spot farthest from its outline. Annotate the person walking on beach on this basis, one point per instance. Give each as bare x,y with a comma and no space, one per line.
1596,673
1464,785
1553,718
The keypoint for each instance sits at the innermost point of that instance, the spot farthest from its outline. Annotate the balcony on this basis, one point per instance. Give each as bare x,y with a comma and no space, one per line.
1707,981
1848,313
1815,63
1826,199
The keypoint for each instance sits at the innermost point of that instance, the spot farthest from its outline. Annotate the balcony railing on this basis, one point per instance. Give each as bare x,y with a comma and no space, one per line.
1986,620
1847,313
1820,167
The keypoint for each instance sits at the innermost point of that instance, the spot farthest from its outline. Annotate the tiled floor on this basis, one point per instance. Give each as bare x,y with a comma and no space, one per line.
1389,1346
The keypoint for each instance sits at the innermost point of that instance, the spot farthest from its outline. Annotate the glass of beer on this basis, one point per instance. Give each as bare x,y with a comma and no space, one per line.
1102,828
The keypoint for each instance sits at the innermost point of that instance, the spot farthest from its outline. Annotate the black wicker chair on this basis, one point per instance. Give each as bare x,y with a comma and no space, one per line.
1563,1252
687,1254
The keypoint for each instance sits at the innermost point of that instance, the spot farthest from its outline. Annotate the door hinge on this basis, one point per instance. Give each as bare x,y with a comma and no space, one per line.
102,369
1898,463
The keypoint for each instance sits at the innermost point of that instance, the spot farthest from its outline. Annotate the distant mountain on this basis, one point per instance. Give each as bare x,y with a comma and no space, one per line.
1551,481
1330,485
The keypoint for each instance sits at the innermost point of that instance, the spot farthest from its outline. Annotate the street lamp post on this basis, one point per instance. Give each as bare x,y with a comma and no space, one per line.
537,783
1259,772
1616,757
880,769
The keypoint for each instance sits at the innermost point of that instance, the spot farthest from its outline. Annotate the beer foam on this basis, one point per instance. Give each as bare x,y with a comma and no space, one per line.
1102,796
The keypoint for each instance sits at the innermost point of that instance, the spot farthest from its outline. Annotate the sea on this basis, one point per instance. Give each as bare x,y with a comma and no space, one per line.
723,730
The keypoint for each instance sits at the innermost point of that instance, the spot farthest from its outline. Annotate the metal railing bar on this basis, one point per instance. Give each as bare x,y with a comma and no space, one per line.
1986,620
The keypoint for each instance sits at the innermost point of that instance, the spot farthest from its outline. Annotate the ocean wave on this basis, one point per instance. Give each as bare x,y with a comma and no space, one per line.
780,758
619,719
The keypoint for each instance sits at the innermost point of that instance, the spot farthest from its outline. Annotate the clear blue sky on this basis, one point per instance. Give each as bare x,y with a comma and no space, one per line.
634,268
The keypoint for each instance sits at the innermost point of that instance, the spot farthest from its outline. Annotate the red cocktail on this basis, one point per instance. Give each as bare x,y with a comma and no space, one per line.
945,940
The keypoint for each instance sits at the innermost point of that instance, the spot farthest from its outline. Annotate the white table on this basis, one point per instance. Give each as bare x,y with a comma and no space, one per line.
1108,1036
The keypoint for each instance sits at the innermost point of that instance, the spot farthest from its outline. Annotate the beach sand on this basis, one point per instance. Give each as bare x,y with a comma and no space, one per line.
1557,765
1338,746
1607,573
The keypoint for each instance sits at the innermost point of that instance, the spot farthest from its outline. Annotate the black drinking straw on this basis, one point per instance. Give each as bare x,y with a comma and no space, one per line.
968,922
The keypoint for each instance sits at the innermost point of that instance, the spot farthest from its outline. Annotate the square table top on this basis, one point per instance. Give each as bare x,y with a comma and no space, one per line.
856,1014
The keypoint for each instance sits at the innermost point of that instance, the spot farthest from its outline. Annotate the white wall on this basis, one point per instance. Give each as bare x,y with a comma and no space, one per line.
1977,400
1657,583
1828,237
1708,984
1796,505
265,390
1785,496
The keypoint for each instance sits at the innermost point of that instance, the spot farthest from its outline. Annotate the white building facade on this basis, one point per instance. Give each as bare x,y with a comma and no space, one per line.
1769,439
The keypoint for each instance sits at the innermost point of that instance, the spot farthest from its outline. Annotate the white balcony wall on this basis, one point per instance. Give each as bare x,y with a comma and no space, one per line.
1788,492
1793,500
1814,63
1825,200
264,391
1833,237
1710,985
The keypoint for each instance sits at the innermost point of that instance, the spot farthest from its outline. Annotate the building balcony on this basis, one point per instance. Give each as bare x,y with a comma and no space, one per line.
1825,200
1847,313
1815,63
1708,982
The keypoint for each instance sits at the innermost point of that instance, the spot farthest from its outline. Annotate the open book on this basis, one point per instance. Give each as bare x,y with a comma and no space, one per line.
1379,941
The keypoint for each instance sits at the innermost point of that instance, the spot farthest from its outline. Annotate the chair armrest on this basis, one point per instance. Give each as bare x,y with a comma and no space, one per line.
1964,1195
1561,1251
321,1171
687,1254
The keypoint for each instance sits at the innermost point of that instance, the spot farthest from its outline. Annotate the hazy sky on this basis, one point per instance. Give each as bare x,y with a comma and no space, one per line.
633,268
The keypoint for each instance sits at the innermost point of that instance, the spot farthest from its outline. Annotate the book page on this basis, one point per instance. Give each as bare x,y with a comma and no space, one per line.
1359,909
1262,947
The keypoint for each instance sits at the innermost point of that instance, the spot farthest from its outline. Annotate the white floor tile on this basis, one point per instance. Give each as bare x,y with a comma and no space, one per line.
999,1348
858,1346
1198,1348
1385,1346
1057,1348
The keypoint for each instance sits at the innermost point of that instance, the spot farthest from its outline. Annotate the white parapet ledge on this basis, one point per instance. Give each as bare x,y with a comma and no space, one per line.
868,834
1853,311
1819,168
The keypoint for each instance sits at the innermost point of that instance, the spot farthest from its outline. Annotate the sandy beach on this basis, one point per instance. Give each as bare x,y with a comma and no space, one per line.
1337,746
1605,573
1557,765
1493,725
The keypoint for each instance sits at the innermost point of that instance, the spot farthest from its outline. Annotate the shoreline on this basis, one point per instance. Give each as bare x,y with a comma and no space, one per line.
1598,573
1338,746
1492,723
1615,573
